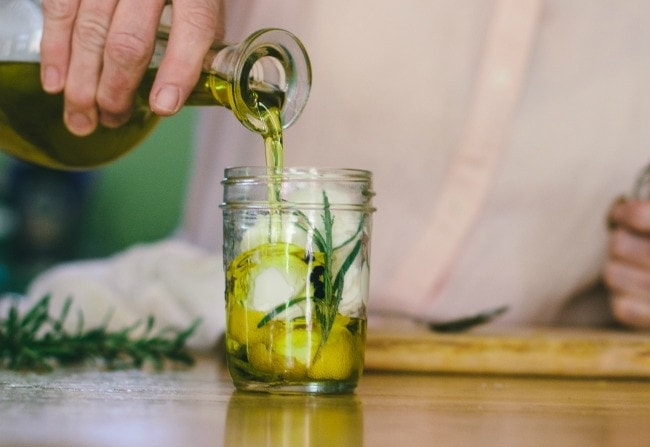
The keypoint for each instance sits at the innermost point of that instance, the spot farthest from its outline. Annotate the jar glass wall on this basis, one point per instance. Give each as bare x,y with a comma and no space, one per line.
296,256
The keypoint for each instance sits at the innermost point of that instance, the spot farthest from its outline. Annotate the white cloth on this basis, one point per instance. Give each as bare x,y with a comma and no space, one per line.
173,281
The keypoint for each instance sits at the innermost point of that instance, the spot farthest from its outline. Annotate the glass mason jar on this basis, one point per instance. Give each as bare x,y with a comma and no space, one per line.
269,69
296,258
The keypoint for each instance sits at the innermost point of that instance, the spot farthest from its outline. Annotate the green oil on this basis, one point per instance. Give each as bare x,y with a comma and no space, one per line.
32,128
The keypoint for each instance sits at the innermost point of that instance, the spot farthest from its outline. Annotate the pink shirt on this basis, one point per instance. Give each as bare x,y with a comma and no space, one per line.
393,86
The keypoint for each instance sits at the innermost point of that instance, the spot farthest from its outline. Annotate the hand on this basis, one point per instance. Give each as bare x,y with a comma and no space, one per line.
627,272
96,53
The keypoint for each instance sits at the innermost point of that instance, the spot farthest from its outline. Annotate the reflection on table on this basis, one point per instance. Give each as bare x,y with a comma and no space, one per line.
199,407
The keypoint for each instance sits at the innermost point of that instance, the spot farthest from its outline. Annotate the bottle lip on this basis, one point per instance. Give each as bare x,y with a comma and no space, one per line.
296,65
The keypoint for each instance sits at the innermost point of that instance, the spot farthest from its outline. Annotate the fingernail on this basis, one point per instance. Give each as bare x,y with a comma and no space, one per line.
113,120
79,124
51,79
167,100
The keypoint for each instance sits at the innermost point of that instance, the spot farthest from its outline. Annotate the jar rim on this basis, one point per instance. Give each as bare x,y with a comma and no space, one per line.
247,187
251,173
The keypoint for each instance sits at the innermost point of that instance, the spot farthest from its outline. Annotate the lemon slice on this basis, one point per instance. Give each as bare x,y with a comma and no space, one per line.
242,325
268,275
340,357
288,351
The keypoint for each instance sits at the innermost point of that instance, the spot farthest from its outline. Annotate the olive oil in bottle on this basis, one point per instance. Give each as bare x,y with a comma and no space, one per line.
267,75
32,128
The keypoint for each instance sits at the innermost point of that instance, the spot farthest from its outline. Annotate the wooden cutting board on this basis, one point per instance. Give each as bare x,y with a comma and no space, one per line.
535,352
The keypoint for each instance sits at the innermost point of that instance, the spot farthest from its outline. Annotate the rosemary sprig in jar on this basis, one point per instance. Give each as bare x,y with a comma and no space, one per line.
37,342
327,286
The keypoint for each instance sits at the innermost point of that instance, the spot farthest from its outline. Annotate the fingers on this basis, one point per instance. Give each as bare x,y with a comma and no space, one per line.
631,214
127,53
630,248
630,293
632,310
195,26
96,52
87,53
58,21
627,272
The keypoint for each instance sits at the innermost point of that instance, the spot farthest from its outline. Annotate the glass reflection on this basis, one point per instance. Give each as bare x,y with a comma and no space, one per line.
293,420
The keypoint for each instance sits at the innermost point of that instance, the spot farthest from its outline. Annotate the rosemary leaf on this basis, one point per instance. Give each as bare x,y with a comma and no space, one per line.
308,228
347,263
353,236
39,342
279,309
326,308
326,304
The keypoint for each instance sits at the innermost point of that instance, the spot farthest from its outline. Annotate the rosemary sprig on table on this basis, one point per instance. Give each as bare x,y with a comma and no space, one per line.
38,342
327,287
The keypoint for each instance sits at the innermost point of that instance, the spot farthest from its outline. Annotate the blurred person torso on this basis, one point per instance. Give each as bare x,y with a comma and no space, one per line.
392,87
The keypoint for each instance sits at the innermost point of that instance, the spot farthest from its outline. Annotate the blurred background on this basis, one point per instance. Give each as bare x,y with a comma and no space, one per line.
48,217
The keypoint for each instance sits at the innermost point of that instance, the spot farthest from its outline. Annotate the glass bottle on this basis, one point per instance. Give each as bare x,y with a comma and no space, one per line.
268,69
297,274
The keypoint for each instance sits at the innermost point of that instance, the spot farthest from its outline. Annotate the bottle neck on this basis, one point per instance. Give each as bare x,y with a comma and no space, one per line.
270,70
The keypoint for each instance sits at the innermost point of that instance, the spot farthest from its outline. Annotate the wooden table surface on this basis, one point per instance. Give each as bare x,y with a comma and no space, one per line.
199,407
